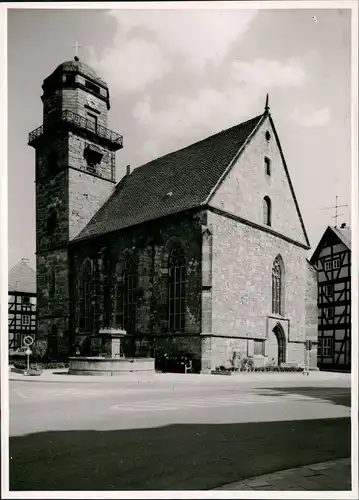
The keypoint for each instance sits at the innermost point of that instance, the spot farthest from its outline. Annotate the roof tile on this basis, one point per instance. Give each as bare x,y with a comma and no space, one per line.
22,278
190,174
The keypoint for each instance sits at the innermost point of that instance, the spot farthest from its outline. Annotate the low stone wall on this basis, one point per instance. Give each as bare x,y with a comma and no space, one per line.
109,366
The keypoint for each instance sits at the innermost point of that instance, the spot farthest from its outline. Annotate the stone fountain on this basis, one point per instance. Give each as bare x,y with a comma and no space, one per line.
111,360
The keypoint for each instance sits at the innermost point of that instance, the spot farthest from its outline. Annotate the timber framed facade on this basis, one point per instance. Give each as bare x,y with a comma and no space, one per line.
333,261
21,304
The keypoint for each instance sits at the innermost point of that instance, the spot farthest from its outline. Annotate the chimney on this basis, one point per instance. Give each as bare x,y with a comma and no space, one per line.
343,225
128,170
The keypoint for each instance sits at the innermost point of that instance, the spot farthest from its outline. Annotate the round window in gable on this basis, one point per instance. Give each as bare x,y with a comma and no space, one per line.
268,136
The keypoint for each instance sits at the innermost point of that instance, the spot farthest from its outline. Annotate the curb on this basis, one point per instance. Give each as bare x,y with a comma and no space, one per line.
185,379
308,471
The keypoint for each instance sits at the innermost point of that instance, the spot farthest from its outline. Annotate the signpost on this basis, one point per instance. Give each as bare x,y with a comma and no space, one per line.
28,341
308,348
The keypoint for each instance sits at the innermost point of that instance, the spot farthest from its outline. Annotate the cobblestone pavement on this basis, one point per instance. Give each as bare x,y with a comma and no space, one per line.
334,475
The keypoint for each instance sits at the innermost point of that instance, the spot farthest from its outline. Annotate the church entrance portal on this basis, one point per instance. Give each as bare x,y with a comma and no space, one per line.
280,336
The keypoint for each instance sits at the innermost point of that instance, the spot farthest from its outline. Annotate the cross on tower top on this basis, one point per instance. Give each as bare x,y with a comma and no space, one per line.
77,46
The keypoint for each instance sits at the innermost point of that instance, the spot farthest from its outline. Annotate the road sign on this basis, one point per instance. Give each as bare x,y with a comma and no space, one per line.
308,345
28,340
28,352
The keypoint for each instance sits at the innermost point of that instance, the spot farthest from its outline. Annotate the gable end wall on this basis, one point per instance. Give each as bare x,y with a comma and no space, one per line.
242,191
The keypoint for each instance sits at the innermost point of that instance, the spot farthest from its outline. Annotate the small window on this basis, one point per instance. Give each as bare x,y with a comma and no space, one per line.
92,86
329,312
267,135
328,265
26,301
258,348
70,79
329,290
25,320
267,163
267,216
336,264
93,157
327,346
91,122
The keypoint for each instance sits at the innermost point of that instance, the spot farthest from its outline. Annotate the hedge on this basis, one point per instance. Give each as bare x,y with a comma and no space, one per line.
22,365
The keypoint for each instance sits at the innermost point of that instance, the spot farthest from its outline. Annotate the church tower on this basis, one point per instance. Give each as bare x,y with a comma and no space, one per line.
75,175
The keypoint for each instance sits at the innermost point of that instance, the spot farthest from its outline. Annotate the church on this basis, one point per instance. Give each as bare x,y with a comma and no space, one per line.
201,252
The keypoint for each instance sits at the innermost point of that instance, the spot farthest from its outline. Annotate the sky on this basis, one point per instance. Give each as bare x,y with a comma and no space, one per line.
178,76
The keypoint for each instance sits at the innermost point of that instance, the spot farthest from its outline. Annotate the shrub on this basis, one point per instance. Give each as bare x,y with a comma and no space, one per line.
274,368
247,364
39,349
22,365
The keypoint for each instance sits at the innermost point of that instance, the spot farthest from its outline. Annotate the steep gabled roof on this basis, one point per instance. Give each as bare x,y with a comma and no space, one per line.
344,234
22,278
289,181
341,234
175,182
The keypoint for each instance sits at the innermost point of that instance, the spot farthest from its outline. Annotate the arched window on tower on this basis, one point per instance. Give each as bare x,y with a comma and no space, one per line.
277,286
86,293
267,211
125,296
176,289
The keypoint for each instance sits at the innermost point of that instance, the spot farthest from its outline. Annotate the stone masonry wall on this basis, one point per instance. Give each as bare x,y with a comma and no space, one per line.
52,212
76,101
243,190
149,245
53,300
76,158
87,192
242,286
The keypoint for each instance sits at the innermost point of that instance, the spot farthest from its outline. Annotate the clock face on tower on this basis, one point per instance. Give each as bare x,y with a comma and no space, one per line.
92,102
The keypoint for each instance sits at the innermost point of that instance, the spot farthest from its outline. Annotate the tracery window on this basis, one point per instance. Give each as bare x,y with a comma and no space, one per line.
176,289
277,306
267,211
86,295
125,296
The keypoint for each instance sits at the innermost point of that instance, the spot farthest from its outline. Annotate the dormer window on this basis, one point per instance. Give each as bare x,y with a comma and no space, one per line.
267,163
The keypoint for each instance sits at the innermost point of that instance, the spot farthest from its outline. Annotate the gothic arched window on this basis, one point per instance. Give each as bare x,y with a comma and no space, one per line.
125,296
86,296
267,211
176,289
277,287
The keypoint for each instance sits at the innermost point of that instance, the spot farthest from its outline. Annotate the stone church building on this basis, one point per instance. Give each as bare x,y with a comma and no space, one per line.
202,252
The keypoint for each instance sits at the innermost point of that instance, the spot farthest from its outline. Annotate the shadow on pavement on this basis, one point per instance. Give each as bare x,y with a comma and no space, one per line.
174,457
336,395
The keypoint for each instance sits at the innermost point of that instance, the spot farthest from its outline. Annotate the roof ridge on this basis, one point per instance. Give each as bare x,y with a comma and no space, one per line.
198,142
193,169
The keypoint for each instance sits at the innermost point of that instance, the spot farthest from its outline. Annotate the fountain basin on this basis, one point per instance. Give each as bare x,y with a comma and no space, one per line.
83,365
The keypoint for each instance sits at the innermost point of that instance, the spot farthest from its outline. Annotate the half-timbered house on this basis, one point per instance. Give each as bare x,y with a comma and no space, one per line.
22,303
332,258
